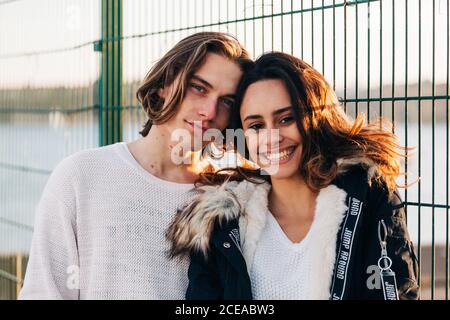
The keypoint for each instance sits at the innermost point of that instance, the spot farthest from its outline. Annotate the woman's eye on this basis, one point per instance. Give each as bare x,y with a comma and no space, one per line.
198,88
288,119
255,126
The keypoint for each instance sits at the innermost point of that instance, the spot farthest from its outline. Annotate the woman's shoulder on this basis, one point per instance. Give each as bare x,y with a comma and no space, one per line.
214,205
361,176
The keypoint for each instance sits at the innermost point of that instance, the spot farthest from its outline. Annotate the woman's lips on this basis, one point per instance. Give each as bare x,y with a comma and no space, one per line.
279,157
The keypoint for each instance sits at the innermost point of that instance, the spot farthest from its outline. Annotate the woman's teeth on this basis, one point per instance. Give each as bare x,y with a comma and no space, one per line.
281,155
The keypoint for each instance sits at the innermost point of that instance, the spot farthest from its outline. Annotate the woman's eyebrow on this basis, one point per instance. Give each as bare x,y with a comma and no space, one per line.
252,116
281,110
274,113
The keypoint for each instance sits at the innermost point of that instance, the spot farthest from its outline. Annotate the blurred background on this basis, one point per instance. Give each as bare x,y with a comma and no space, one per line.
69,70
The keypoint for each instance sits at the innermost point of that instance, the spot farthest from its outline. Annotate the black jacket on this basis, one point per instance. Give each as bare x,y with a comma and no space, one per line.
220,229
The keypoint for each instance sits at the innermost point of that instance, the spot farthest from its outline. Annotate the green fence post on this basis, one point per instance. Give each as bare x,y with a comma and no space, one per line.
110,124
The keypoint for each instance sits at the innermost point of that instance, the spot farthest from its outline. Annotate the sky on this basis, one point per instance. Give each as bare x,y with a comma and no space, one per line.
40,25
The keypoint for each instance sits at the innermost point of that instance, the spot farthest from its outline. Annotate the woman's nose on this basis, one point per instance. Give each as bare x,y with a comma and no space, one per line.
271,137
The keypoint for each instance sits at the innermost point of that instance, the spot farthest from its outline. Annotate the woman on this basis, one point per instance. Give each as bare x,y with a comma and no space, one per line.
327,223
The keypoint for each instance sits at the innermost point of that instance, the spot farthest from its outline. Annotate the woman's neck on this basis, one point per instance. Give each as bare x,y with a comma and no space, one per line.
292,199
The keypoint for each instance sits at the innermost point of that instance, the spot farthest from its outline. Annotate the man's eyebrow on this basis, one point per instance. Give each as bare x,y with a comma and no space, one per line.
274,113
231,96
206,83
209,85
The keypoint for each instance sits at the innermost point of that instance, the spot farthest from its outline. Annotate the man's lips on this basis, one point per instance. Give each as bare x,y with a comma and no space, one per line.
195,124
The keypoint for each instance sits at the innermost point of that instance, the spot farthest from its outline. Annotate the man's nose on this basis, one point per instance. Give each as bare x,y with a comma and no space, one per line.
208,110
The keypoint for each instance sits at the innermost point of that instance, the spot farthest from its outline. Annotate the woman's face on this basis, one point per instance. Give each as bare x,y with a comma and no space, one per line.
272,136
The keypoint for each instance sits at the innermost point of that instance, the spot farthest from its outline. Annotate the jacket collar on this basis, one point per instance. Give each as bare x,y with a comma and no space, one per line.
247,203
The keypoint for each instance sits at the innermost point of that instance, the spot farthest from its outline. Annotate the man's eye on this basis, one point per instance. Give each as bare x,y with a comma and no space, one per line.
198,88
228,102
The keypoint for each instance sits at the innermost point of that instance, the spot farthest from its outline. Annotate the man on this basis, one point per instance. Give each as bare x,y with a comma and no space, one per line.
101,222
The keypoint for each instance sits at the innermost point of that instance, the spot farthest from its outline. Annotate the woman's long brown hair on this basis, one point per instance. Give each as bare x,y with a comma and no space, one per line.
327,133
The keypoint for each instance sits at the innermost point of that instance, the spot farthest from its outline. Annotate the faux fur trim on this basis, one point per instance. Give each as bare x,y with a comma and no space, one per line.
252,223
192,227
329,214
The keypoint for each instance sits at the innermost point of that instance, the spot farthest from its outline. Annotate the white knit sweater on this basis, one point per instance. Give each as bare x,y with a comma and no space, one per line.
281,269
100,231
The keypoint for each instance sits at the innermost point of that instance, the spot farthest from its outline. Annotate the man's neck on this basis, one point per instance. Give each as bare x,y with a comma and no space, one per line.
154,154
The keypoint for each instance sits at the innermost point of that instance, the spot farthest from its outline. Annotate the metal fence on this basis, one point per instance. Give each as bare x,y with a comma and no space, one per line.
70,70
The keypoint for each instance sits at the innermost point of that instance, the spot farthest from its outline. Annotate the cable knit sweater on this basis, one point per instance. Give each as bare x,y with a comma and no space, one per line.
100,231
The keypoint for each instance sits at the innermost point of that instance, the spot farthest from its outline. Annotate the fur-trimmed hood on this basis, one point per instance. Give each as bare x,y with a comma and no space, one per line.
192,227
339,207
248,202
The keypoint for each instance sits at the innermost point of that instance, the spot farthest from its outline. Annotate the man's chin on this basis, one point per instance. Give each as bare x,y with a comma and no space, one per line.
200,147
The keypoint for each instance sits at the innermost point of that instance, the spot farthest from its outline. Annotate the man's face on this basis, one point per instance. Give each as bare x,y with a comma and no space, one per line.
208,99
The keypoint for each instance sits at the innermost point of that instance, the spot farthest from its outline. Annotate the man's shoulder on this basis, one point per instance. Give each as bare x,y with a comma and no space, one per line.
93,154
84,163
